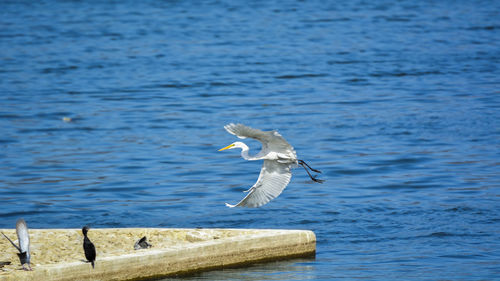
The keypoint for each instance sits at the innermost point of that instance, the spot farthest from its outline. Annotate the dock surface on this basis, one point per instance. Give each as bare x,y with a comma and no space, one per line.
57,254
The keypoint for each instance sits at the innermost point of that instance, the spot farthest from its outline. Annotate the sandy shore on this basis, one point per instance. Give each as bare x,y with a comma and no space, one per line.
57,254
62,246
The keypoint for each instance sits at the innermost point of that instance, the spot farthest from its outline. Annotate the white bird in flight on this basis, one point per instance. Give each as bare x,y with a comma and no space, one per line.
279,157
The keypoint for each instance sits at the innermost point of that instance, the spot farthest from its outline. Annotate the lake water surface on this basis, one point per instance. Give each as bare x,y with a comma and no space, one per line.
396,102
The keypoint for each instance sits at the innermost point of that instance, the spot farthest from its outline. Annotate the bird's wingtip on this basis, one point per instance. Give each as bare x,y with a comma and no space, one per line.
230,206
233,129
229,126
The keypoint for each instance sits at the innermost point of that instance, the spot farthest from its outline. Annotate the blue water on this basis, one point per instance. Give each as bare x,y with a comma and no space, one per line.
396,102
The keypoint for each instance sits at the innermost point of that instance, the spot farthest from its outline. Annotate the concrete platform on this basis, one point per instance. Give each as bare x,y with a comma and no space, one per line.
57,254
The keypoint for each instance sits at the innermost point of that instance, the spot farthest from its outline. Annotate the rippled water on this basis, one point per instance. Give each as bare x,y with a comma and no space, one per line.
397,104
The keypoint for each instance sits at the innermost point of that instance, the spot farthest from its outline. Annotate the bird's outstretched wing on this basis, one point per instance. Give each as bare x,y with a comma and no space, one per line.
22,235
273,179
271,140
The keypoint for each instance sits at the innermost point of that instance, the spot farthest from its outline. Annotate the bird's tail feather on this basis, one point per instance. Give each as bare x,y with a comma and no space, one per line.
19,249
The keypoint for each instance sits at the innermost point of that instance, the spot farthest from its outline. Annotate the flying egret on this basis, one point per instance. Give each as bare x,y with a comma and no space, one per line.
279,157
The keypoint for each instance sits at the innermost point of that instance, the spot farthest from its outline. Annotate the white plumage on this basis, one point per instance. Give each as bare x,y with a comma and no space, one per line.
279,157
23,237
24,243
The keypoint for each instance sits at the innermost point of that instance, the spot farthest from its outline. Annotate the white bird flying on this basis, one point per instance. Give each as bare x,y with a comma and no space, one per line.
279,157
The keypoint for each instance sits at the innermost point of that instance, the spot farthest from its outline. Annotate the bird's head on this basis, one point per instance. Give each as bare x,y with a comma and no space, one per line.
237,144
85,229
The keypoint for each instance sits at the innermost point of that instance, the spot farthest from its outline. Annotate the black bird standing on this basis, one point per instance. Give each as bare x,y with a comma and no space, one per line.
88,247
142,244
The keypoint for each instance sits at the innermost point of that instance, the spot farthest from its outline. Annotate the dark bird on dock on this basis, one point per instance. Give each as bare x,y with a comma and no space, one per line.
24,243
88,247
142,244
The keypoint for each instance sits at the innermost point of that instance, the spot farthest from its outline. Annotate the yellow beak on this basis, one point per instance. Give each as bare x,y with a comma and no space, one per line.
227,147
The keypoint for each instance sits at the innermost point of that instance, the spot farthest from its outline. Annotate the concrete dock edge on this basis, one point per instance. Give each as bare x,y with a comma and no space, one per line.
200,252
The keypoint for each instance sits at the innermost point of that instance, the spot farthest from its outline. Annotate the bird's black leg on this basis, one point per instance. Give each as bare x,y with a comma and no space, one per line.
304,165
304,162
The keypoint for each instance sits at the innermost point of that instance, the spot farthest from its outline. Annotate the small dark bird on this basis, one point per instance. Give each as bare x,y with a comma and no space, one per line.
24,243
88,247
142,244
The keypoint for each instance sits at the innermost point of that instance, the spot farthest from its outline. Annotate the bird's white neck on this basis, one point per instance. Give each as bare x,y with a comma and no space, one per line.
244,151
